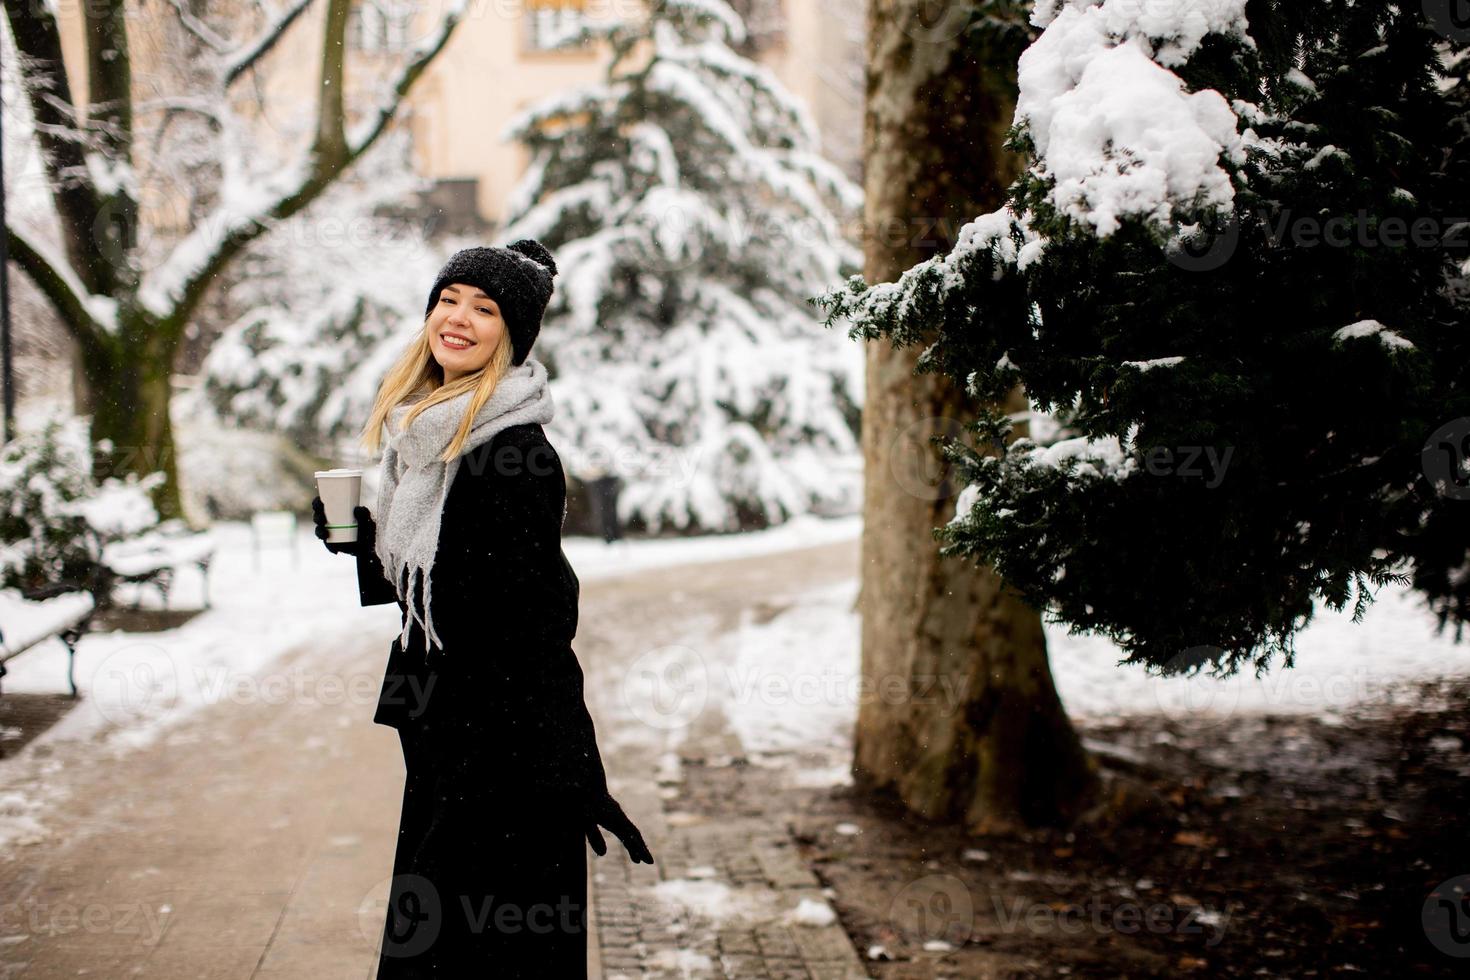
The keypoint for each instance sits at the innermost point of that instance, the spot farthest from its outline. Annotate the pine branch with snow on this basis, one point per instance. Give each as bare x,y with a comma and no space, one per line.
1208,267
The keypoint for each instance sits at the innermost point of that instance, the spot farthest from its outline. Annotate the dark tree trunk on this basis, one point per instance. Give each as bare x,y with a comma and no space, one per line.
960,719
127,394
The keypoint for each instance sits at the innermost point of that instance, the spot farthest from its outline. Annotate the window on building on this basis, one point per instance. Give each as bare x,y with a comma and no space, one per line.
546,20
381,25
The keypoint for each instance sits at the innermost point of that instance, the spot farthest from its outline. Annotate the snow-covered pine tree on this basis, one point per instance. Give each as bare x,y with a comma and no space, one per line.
1211,274
692,216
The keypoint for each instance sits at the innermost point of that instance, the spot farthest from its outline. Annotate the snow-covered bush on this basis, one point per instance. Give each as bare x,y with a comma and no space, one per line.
55,518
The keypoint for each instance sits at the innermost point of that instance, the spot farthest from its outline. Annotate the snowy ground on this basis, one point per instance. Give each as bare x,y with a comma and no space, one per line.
789,684
135,684
134,687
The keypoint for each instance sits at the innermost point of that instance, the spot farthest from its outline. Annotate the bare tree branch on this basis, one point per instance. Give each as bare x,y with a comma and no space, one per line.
175,289
420,61
110,115
171,105
251,53
330,146
109,77
200,29
57,127
174,107
64,293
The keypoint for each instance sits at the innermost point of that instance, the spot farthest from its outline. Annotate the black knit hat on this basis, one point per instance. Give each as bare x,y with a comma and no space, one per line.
517,277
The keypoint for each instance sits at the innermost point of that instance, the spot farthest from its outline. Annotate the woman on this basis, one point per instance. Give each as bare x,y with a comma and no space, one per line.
504,781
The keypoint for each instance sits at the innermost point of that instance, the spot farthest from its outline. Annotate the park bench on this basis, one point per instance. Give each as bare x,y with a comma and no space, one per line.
152,558
273,528
27,621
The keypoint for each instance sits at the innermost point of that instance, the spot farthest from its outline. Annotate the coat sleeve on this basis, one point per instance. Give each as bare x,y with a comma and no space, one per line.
513,703
373,585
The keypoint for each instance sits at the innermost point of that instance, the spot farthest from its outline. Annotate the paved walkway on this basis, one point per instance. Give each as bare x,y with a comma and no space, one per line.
654,622
254,840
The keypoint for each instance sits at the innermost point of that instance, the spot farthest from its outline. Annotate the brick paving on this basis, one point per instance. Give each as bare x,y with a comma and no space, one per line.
640,936
745,864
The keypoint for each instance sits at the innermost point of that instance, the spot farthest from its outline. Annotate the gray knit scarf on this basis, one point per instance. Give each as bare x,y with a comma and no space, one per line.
414,483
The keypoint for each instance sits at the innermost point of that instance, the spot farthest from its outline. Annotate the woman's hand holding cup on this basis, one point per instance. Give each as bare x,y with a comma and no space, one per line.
342,488
366,530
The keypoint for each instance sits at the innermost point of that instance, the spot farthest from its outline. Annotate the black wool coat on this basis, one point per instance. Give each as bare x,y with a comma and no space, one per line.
500,752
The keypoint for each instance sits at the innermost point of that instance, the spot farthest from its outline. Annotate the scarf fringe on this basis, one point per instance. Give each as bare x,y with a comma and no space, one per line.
424,614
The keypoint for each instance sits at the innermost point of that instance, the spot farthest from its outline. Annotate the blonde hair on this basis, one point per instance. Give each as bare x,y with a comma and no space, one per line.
416,371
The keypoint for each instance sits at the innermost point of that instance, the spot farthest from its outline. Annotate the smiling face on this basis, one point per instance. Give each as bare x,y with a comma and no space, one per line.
464,327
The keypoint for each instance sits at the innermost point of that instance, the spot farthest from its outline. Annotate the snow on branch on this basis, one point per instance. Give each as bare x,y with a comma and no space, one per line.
200,29
1116,132
419,60
246,212
1372,328
53,275
250,54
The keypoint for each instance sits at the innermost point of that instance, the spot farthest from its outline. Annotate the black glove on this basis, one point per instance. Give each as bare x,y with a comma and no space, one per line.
605,810
367,531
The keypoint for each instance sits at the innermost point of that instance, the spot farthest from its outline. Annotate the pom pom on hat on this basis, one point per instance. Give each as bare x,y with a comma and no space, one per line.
535,251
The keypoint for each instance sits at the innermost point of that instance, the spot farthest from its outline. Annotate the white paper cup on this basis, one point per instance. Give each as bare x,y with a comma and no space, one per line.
340,490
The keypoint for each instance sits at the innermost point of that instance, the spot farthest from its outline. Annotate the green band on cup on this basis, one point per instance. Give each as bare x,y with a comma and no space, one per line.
341,525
